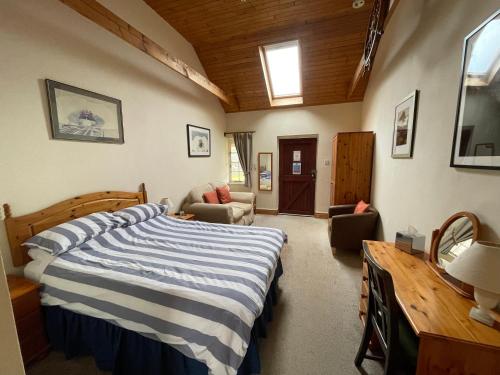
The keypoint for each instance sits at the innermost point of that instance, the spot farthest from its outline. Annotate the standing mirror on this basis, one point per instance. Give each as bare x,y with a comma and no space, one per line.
454,237
265,171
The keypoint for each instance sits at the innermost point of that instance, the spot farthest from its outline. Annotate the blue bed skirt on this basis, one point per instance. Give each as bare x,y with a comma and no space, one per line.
125,352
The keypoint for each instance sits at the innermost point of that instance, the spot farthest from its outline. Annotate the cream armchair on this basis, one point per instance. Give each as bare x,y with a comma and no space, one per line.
240,211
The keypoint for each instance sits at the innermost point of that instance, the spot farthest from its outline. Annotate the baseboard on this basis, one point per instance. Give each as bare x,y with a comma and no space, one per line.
321,215
266,211
271,211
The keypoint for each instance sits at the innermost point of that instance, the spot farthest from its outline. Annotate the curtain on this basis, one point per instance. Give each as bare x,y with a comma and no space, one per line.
243,144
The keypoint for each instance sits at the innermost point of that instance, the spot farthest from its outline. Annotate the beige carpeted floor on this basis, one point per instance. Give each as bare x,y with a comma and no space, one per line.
316,330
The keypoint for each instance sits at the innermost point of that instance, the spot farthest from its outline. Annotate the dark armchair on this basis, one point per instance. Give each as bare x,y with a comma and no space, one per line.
347,230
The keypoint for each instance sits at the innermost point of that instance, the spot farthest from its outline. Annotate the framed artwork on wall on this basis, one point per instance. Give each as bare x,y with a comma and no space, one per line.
265,161
296,168
81,115
476,139
198,140
404,126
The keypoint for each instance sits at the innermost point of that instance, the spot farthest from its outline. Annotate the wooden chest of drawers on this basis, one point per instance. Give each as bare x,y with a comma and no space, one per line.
28,315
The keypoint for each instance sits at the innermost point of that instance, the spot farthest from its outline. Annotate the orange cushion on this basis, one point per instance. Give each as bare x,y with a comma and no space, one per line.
361,207
211,197
223,194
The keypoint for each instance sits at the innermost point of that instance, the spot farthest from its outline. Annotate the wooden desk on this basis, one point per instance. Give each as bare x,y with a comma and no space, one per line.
450,341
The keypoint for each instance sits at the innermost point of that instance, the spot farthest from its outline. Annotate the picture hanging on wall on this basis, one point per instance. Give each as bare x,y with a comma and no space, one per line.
81,115
476,141
297,168
198,140
404,126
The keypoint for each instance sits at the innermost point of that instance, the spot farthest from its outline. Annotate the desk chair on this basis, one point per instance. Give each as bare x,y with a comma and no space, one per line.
397,340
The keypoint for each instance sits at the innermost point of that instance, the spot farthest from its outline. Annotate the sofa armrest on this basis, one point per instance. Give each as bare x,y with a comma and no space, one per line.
243,197
212,213
342,209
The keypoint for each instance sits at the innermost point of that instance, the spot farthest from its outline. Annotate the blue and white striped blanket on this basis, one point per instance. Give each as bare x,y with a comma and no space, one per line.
196,286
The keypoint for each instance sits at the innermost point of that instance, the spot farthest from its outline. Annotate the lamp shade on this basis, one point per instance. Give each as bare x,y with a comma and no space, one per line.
478,266
169,203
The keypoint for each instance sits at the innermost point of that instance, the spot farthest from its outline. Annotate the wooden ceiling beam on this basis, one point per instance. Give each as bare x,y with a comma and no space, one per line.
103,17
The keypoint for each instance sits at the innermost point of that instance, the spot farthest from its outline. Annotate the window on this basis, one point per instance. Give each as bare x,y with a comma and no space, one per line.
281,66
236,175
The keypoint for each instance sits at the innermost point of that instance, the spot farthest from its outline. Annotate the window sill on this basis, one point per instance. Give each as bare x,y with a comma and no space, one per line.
278,102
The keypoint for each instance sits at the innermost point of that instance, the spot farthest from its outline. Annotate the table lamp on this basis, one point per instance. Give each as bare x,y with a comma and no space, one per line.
479,266
169,203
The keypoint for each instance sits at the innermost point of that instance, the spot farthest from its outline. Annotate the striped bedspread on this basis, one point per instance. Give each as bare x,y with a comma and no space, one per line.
196,286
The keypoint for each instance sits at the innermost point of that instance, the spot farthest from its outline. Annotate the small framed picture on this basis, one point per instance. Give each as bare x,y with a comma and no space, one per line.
404,126
81,115
296,155
198,140
297,168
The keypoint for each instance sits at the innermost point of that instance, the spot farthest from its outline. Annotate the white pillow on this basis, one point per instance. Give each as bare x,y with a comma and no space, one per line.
41,259
41,255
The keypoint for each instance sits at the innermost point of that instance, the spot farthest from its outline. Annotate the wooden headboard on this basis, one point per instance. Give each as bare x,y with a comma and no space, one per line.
21,228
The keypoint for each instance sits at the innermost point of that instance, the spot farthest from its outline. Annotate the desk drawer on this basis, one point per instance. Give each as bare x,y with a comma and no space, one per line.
365,270
364,289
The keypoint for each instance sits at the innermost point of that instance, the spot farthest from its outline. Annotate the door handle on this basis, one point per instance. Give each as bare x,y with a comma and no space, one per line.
313,174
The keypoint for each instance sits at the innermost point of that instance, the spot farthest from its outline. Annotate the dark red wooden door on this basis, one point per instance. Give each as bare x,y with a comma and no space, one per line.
297,175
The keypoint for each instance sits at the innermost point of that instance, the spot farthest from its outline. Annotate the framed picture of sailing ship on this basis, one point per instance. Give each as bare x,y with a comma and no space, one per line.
80,115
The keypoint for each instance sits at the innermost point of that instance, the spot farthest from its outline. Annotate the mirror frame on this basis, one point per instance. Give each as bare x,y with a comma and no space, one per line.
464,289
258,170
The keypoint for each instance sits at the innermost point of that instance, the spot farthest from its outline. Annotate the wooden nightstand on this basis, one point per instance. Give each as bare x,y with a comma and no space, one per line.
28,315
183,217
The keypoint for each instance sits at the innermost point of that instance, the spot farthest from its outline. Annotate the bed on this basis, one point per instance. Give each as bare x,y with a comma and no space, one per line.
152,294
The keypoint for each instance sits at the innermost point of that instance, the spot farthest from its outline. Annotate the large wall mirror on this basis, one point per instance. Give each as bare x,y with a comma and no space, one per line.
454,237
265,171
476,142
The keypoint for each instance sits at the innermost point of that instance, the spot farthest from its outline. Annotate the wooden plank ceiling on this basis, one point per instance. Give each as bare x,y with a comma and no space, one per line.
226,35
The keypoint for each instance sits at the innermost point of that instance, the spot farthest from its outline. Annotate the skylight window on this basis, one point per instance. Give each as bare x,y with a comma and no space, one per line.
281,64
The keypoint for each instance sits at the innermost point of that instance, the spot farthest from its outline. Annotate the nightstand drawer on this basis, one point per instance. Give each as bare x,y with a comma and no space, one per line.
33,347
30,325
28,303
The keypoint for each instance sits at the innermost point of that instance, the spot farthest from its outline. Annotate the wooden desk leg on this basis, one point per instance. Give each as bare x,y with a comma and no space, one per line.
440,356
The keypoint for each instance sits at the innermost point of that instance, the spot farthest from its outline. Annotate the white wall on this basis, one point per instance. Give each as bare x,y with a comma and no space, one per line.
324,121
422,49
46,39
11,362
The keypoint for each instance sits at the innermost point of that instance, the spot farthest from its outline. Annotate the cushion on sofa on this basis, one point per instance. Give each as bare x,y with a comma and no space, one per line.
211,197
246,207
196,194
223,194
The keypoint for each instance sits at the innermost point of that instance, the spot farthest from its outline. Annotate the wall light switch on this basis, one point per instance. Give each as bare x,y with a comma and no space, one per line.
327,162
